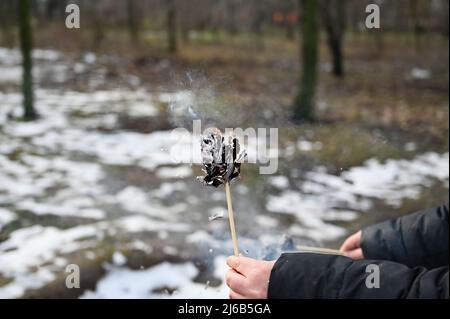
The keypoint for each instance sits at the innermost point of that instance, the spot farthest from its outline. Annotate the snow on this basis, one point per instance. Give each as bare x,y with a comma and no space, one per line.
324,197
48,66
167,189
135,200
281,182
420,74
174,172
33,176
34,246
307,146
6,217
119,259
122,283
266,221
134,224
199,236
10,74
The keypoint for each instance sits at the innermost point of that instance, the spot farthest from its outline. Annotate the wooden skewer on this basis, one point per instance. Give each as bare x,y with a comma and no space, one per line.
231,219
320,250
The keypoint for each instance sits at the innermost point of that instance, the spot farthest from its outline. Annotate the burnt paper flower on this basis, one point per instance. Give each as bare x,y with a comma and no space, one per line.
222,157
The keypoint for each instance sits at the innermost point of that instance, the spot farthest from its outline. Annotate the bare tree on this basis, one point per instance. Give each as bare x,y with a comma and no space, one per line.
304,103
231,16
289,9
417,9
333,16
172,26
27,64
133,23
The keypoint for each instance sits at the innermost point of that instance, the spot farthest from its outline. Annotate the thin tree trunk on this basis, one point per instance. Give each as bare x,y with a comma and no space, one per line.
97,29
416,7
231,23
133,27
304,103
289,25
172,26
27,64
333,13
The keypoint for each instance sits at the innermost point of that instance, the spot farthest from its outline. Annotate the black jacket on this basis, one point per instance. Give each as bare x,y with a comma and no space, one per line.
411,253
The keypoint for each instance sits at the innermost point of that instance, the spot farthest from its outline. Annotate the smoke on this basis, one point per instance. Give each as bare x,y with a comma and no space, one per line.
200,97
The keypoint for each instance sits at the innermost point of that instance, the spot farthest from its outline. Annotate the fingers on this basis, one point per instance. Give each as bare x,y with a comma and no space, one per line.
235,295
236,281
351,243
356,254
243,265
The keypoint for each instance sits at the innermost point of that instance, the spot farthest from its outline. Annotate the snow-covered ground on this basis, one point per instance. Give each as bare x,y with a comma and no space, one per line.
74,179
165,280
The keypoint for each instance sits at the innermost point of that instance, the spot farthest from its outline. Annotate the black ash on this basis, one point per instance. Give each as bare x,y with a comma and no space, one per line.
222,157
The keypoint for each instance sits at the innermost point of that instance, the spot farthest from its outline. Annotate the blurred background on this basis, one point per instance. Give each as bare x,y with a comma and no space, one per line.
86,116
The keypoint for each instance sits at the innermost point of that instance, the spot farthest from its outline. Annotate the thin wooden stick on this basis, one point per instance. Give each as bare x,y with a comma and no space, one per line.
320,250
231,219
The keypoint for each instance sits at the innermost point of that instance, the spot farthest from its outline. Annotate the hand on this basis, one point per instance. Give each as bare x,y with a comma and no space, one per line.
352,247
248,278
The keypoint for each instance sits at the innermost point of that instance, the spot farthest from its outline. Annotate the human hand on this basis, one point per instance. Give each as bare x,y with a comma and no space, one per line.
352,247
248,278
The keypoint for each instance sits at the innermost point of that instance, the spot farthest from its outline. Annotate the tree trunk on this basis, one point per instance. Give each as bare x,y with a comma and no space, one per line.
231,17
133,27
304,103
26,47
416,10
333,13
51,8
95,19
172,26
289,9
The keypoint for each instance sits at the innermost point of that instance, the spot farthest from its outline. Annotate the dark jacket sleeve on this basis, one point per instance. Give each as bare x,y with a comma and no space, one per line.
419,239
306,275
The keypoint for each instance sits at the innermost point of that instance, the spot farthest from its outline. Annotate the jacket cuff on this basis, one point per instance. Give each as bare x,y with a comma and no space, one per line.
371,241
306,276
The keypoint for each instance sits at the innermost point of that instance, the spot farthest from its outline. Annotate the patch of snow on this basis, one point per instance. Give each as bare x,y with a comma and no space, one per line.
167,189
280,181
174,172
326,198
6,216
420,74
134,200
266,221
307,146
200,236
135,224
122,283
34,246
119,259
10,74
